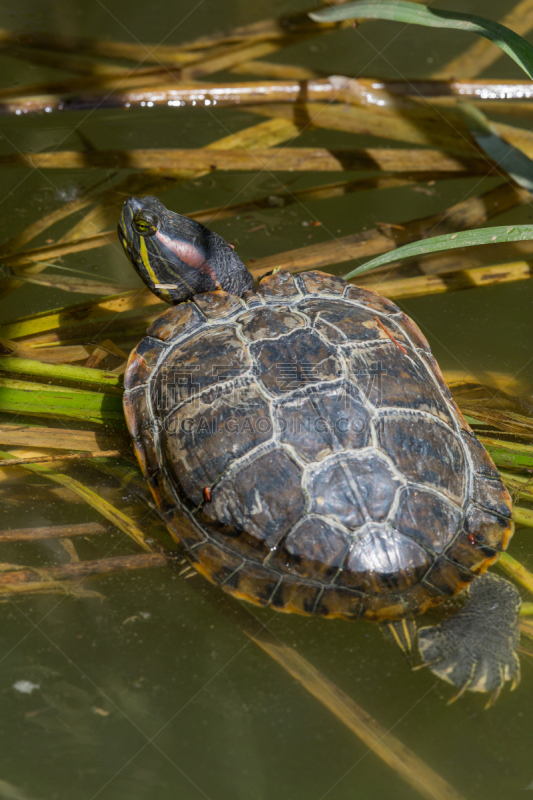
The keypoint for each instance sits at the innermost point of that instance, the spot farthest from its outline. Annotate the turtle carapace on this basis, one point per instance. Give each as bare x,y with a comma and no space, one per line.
304,450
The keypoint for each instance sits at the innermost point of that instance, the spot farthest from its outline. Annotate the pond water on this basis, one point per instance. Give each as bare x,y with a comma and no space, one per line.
147,690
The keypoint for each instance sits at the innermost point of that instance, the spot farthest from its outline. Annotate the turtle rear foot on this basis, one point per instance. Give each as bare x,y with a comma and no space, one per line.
476,649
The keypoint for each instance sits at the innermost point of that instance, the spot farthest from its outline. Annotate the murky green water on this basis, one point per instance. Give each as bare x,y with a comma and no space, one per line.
149,692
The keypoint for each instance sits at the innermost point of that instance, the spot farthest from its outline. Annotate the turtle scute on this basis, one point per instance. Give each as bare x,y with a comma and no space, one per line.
353,488
293,361
371,300
319,421
427,517
268,323
201,440
382,560
314,549
176,321
218,304
261,499
341,479
323,283
280,285
341,322
426,452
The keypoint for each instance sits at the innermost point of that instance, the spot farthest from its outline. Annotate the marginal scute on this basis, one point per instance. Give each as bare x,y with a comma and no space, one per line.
176,321
488,528
417,599
140,455
136,411
481,461
279,285
183,529
428,453
323,420
215,563
384,607
153,471
413,332
151,453
447,578
371,299
255,584
382,560
268,323
164,493
476,558
251,299
322,283
294,361
239,540
296,597
141,362
218,304
314,549
202,438
427,517
336,602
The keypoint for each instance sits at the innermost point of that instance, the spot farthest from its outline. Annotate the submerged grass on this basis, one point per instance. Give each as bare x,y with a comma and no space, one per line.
47,347
113,514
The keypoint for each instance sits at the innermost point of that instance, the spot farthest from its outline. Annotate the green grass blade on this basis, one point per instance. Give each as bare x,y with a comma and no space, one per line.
399,11
516,570
519,485
60,372
523,517
516,163
510,455
58,402
449,241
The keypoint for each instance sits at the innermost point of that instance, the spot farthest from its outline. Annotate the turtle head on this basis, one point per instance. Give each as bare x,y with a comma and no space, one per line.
175,256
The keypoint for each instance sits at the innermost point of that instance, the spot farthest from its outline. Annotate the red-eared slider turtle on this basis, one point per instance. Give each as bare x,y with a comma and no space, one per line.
303,448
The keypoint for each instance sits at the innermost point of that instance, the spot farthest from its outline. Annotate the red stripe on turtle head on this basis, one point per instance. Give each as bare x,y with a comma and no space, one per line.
189,254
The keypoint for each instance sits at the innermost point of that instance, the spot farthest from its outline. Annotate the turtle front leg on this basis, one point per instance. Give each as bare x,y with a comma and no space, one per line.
476,650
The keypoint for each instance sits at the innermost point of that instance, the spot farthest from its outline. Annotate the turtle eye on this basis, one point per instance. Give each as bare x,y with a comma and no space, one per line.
146,227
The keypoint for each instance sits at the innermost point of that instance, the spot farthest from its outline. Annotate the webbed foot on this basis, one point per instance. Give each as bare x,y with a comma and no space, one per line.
476,649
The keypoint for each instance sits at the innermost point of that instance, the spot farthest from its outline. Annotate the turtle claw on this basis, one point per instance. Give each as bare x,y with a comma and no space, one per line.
425,664
462,690
403,634
494,696
476,649
516,678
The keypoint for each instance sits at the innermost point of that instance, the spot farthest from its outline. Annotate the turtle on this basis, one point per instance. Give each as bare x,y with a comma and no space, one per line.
306,454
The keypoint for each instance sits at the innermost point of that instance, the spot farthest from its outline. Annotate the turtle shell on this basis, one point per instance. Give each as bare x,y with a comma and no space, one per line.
302,446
